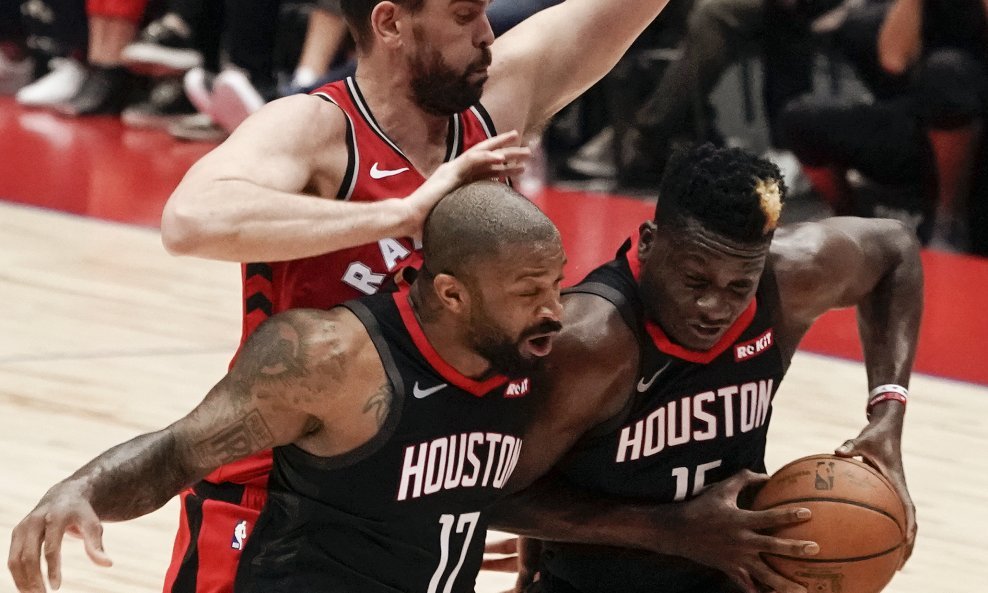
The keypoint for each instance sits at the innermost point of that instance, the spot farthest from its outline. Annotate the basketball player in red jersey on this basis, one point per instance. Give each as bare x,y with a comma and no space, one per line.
305,186
661,384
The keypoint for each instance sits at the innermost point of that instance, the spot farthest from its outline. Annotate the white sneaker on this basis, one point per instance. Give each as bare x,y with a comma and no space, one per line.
163,48
198,85
14,74
234,99
58,86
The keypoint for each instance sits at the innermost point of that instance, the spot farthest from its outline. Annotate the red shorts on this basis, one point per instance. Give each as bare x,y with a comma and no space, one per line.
215,523
129,10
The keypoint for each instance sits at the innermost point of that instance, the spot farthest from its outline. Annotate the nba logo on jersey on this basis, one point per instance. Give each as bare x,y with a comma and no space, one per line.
517,389
239,535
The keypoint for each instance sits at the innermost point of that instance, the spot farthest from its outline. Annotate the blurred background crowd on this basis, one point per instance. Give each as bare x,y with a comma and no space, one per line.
870,107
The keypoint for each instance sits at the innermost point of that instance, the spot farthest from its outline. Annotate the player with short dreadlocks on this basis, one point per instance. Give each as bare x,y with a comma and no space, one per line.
661,384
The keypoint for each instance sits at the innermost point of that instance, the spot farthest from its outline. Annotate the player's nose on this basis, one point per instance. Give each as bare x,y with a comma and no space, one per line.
713,309
552,309
486,33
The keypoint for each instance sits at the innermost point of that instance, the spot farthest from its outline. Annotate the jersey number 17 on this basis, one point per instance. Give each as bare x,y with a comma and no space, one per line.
466,522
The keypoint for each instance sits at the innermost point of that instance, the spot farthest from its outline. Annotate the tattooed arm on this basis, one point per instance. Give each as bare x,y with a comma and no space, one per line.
290,372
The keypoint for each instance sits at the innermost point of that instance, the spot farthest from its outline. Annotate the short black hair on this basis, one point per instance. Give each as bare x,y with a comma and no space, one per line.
478,221
729,191
357,14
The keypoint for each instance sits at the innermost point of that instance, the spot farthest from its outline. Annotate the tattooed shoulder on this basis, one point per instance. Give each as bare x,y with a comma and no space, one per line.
379,404
276,347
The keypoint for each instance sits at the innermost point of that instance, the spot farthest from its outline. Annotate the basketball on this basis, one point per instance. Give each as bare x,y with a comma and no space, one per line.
858,521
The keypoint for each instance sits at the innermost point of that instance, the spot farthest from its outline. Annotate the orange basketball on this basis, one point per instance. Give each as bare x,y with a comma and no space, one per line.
858,520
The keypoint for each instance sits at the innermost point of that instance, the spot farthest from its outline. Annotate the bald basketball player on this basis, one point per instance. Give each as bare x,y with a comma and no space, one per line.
324,195
661,384
395,419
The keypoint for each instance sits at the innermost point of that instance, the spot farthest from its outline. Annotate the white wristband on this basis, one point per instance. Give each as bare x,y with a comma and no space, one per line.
890,388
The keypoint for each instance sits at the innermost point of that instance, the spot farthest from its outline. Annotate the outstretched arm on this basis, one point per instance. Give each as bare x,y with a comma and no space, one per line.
554,56
268,192
265,400
875,266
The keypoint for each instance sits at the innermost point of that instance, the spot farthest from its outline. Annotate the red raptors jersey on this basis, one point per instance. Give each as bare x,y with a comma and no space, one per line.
377,170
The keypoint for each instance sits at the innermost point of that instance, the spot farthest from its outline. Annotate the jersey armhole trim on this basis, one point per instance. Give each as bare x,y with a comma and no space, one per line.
390,425
618,300
349,181
613,296
485,119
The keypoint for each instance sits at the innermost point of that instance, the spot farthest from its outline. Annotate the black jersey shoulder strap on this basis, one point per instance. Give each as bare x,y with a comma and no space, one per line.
390,425
607,292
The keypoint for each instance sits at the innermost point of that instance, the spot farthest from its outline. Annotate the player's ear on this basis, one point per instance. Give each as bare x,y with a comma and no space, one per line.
451,292
647,234
384,21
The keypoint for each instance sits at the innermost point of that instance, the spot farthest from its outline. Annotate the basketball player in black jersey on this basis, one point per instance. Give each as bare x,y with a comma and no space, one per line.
661,384
395,419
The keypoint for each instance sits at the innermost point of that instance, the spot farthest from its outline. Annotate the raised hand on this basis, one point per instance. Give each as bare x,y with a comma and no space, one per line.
499,157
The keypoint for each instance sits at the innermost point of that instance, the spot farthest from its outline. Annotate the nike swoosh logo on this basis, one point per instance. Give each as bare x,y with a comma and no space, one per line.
420,393
376,173
643,386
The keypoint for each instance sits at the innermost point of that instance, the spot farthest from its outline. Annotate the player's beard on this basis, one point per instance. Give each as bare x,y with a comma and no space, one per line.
437,88
503,352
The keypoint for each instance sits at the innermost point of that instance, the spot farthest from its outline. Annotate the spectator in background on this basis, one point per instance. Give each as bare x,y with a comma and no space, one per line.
238,92
186,36
256,34
16,66
927,66
106,86
325,39
241,90
55,38
718,33
73,86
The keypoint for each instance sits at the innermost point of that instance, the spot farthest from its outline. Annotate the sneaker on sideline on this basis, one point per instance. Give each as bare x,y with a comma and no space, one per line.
104,92
198,85
197,127
234,99
166,104
163,48
58,86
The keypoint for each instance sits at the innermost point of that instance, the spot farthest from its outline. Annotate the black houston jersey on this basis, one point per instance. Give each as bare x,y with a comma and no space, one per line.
404,511
694,418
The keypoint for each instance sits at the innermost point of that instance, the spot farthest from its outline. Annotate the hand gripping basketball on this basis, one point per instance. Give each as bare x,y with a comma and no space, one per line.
733,540
878,445
858,522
